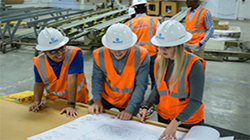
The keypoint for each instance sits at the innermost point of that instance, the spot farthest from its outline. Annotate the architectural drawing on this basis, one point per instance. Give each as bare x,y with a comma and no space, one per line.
101,127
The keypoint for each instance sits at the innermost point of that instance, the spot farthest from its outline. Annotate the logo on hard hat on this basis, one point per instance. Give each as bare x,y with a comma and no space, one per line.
160,36
53,40
139,0
117,40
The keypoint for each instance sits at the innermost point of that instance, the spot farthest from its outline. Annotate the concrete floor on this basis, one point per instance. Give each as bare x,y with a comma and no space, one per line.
226,94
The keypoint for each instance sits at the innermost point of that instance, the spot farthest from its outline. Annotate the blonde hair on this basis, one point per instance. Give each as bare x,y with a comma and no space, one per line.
179,63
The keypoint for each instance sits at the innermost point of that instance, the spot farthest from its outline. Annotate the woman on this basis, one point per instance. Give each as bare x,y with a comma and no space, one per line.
180,81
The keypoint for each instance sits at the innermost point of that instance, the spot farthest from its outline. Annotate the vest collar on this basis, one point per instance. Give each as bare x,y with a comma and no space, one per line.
140,15
195,9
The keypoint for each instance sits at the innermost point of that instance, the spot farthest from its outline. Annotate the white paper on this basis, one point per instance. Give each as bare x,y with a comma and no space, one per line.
106,127
101,127
202,133
227,138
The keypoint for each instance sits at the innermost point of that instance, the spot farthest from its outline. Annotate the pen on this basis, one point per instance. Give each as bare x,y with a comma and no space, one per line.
38,106
145,116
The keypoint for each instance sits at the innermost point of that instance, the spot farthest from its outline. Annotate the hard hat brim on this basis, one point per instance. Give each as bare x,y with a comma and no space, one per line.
115,47
138,3
44,48
162,43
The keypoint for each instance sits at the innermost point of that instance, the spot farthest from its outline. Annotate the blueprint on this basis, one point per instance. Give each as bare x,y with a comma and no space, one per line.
103,127
108,127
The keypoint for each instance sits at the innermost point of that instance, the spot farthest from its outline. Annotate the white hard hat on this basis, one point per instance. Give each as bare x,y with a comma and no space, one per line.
137,2
50,39
119,37
170,33
131,11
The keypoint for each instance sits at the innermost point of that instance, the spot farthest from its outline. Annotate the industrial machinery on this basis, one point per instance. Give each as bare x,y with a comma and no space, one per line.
17,24
86,27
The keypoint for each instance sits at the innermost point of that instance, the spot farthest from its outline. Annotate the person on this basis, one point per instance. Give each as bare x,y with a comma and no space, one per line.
120,69
180,81
60,71
200,24
145,27
131,12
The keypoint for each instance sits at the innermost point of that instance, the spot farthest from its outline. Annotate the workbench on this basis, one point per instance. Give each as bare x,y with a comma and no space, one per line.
17,122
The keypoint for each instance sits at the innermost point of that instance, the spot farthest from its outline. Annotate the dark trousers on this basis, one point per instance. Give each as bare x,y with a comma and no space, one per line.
107,105
188,126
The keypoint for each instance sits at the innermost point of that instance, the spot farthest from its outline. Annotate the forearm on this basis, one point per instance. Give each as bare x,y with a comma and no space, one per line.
209,26
207,35
153,97
38,91
137,98
72,86
189,110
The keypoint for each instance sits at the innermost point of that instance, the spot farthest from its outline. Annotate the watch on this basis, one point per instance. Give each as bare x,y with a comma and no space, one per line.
178,120
71,103
200,44
145,107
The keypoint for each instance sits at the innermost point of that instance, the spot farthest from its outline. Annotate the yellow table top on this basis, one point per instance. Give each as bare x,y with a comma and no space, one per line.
17,122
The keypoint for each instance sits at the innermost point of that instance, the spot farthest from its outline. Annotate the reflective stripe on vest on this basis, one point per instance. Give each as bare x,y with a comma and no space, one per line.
46,80
197,24
181,84
137,57
150,32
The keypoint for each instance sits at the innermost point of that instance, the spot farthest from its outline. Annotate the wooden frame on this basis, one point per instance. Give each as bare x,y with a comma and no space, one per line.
154,8
169,8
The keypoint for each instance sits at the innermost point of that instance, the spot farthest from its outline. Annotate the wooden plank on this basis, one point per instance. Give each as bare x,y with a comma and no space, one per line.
13,1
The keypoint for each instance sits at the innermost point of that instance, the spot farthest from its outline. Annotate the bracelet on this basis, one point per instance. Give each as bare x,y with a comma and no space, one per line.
145,107
71,103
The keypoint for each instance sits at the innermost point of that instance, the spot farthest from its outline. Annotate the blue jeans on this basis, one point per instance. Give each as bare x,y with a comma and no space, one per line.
151,70
188,126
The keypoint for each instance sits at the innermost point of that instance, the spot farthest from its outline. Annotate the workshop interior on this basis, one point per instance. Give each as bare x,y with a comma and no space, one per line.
226,91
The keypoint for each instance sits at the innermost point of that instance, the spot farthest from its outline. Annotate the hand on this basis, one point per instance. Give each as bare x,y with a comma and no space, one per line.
70,111
96,107
169,132
124,115
142,115
35,106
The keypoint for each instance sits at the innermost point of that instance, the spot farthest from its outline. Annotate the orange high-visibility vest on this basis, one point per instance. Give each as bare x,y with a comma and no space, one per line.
118,89
144,27
196,26
170,106
58,88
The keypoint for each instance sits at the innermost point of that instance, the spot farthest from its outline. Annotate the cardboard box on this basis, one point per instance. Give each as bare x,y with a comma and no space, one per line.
216,19
154,8
223,25
13,1
20,97
169,8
